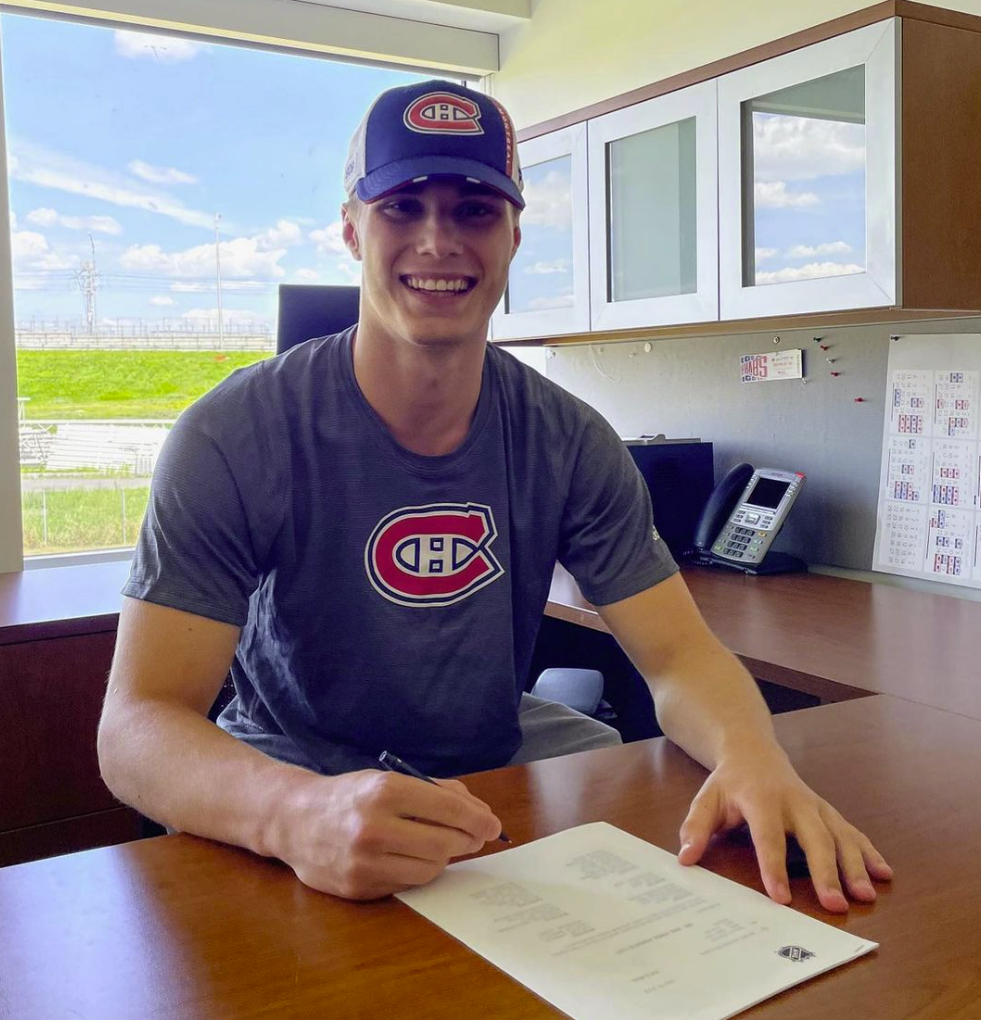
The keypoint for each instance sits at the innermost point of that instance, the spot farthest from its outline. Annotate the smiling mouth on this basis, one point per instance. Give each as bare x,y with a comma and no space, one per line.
447,286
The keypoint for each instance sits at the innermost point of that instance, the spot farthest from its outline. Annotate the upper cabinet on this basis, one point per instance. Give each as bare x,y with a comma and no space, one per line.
807,179
548,284
813,177
653,190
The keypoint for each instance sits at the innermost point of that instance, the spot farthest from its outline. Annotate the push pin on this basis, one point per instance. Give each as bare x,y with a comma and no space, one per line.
825,347
836,374
830,361
859,400
817,339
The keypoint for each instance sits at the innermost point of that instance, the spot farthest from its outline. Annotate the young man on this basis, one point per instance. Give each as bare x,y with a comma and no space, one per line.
364,530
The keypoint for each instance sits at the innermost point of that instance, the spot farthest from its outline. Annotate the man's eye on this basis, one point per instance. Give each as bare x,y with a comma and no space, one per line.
478,210
400,207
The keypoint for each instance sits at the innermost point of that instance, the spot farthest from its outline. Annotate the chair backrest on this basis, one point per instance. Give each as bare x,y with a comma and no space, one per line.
306,311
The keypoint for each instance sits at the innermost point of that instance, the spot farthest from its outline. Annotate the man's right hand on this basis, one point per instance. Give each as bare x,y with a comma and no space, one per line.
368,834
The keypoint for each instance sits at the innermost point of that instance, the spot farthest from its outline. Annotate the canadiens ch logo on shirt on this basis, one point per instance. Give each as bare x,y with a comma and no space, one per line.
433,555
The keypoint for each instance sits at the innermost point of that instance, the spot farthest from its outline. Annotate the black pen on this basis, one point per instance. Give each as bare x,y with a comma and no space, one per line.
395,764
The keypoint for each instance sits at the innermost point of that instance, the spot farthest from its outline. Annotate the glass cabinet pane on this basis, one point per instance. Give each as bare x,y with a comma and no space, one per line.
542,273
804,169
652,250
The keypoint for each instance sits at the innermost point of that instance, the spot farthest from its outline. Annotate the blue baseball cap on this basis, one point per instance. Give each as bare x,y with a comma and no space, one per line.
433,128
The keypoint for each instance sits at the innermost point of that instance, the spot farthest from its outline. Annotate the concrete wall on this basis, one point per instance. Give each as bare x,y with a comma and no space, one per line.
691,387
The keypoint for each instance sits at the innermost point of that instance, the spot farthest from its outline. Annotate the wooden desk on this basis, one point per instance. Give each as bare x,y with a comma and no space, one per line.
828,636
182,928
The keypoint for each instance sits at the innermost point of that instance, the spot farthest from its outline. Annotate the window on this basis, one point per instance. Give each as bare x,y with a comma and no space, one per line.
161,188
804,209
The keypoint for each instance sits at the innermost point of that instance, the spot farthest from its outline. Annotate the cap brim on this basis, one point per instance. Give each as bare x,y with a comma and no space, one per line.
404,171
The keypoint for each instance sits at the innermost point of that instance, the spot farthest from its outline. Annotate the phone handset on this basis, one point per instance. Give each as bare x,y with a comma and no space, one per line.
742,518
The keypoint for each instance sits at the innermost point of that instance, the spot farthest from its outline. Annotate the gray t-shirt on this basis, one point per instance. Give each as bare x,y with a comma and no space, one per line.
388,600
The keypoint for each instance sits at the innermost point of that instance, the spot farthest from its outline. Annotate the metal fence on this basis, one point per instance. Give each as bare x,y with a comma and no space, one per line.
259,340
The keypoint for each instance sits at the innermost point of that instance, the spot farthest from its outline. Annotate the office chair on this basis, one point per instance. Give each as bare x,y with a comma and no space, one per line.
307,311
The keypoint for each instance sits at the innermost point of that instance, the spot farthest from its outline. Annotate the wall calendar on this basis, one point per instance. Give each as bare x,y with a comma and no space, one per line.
929,516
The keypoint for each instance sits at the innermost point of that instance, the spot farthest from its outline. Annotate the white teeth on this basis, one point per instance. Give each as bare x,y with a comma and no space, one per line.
456,286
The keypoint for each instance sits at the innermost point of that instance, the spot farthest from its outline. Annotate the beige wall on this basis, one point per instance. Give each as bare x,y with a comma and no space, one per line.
577,52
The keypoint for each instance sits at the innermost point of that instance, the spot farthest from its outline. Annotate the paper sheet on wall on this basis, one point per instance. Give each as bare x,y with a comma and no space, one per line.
608,927
929,516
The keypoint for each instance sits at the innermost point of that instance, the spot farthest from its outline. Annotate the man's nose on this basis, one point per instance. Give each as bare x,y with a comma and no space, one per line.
438,235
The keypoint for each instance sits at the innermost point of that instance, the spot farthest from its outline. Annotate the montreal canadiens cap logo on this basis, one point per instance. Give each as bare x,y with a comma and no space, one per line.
443,113
433,555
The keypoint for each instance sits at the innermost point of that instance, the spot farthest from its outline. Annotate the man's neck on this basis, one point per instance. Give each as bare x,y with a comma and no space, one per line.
426,396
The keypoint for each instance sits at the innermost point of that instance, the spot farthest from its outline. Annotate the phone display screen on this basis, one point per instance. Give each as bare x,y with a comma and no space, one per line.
767,493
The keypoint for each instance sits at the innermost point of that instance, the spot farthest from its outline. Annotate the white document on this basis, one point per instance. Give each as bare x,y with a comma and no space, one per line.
605,926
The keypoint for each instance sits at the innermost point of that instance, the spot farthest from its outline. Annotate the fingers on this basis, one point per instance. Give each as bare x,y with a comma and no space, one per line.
821,851
702,821
367,834
839,855
770,843
446,803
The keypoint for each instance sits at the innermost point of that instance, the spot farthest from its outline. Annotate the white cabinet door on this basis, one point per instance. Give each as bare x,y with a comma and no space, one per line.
548,284
807,178
653,211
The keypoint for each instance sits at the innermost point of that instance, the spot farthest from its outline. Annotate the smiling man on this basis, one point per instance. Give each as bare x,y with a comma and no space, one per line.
364,530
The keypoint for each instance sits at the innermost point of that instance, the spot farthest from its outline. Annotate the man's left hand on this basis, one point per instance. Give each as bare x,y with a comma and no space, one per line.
767,795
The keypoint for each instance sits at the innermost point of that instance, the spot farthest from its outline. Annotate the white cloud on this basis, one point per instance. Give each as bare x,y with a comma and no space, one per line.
549,202
188,287
774,195
241,258
306,276
159,174
801,148
285,234
45,217
806,251
547,268
812,271
49,169
350,270
229,316
765,253
329,239
30,251
541,303
162,300
26,244
164,49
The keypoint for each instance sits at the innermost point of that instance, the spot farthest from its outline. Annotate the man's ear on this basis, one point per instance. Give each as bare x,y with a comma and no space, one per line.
517,240
349,232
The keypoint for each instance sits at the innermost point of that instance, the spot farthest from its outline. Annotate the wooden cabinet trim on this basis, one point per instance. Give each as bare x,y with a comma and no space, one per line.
806,37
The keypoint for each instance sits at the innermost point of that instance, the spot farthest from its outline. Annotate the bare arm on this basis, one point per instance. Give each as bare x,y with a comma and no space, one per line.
360,835
709,705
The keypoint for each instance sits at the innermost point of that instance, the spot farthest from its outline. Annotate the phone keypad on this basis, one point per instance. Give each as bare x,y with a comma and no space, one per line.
737,542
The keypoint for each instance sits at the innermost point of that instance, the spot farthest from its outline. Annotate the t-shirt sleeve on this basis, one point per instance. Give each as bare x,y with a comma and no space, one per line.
203,540
608,541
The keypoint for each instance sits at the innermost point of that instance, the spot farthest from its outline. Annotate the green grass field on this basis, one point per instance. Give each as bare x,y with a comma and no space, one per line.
121,384
82,519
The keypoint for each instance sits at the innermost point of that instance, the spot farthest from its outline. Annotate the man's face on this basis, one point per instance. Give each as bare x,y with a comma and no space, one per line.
435,259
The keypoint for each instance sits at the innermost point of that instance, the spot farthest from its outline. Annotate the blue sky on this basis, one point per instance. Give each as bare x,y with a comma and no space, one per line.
141,139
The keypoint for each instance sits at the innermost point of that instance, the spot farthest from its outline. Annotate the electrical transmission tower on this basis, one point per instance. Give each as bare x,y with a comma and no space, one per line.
87,278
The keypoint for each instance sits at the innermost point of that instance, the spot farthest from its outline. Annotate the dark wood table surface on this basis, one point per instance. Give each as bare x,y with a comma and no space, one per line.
185,929
829,636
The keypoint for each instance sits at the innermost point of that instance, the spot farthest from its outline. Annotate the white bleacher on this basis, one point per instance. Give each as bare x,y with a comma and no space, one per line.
106,446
